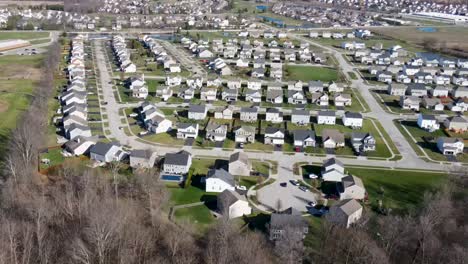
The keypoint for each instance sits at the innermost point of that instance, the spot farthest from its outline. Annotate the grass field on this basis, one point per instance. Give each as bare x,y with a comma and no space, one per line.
399,190
17,76
4,35
309,73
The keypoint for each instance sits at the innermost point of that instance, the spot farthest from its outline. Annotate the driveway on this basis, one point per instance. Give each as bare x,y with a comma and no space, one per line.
277,197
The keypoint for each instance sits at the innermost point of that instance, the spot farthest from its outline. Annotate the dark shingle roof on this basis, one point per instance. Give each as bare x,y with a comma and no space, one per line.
222,175
179,158
353,115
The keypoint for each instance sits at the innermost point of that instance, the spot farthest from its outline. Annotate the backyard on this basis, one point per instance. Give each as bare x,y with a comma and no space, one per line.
310,73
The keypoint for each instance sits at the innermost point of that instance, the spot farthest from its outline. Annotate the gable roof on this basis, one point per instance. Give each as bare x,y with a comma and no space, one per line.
332,161
101,148
352,115
303,134
179,158
222,175
348,206
239,156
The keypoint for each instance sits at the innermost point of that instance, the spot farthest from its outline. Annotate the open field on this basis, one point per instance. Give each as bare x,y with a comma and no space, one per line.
453,36
308,73
399,190
4,35
16,89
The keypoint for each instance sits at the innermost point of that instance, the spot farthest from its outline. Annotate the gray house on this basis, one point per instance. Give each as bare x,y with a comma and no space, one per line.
288,223
300,117
362,142
304,138
140,158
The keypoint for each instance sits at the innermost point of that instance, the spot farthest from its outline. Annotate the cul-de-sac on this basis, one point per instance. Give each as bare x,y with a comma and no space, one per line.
214,131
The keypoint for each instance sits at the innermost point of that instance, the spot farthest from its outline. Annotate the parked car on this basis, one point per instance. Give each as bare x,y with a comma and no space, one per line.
313,176
294,182
312,204
303,188
283,184
241,187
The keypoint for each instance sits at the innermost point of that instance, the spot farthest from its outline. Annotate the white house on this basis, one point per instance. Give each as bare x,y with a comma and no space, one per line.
274,136
333,170
274,115
326,117
351,187
218,180
239,164
450,146
428,122
107,152
197,112
351,119
177,163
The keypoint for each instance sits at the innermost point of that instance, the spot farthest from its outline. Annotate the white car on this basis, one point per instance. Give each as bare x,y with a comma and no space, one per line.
241,187
313,176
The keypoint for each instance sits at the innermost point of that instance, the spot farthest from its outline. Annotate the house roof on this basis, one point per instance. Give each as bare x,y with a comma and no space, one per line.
303,134
249,109
239,156
102,148
273,110
229,197
428,117
348,206
141,153
326,113
352,115
179,158
457,119
250,129
185,125
197,108
351,180
450,139
300,112
272,130
332,161
222,175
289,217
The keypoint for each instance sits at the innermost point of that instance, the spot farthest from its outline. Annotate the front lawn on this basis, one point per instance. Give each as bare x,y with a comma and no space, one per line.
310,73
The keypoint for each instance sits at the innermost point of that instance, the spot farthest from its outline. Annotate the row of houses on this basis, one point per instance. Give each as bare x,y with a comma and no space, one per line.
357,33
169,64
119,46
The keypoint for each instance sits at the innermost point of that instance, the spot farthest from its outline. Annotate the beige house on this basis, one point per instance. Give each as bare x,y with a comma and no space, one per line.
345,213
351,187
232,204
239,164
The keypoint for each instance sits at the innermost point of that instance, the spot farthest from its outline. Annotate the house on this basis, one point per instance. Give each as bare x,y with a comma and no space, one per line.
258,73
274,115
274,96
239,164
177,163
345,213
216,132
342,100
224,113
433,103
461,92
186,93
304,138
165,93
296,97
410,102
158,124
362,142
107,152
274,136
140,158
229,95
197,112
402,77
321,99
208,94
457,124
332,170
326,117
428,122
75,130
332,138
417,89
244,134
249,114
352,119
335,88
253,96
288,223
439,91
450,146
232,205
315,86
219,180
186,130
254,84
205,54
351,187
79,145
300,117
384,76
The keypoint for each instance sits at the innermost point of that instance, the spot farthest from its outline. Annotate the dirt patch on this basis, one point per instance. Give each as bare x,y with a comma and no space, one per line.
3,106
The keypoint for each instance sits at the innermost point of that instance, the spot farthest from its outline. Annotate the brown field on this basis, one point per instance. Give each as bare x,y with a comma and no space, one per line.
452,37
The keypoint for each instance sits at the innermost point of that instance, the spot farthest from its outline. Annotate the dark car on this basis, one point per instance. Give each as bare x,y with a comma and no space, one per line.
283,184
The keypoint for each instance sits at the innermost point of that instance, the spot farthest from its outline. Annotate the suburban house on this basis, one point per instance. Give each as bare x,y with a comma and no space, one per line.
216,132
197,112
351,187
79,145
218,180
107,152
245,134
428,122
274,96
439,91
332,138
296,97
140,158
229,95
300,117
315,86
457,124
253,96
249,114
232,205
332,170
417,89
345,212
274,136
326,117
274,115
450,146
342,100
187,130
410,102
291,221
433,103
224,113
352,119
177,163
304,138
362,142
239,164
76,130
208,94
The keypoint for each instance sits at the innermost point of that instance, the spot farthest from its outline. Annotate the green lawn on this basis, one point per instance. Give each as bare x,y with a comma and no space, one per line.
399,190
310,73
261,167
164,138
4,35
54,155
200,216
